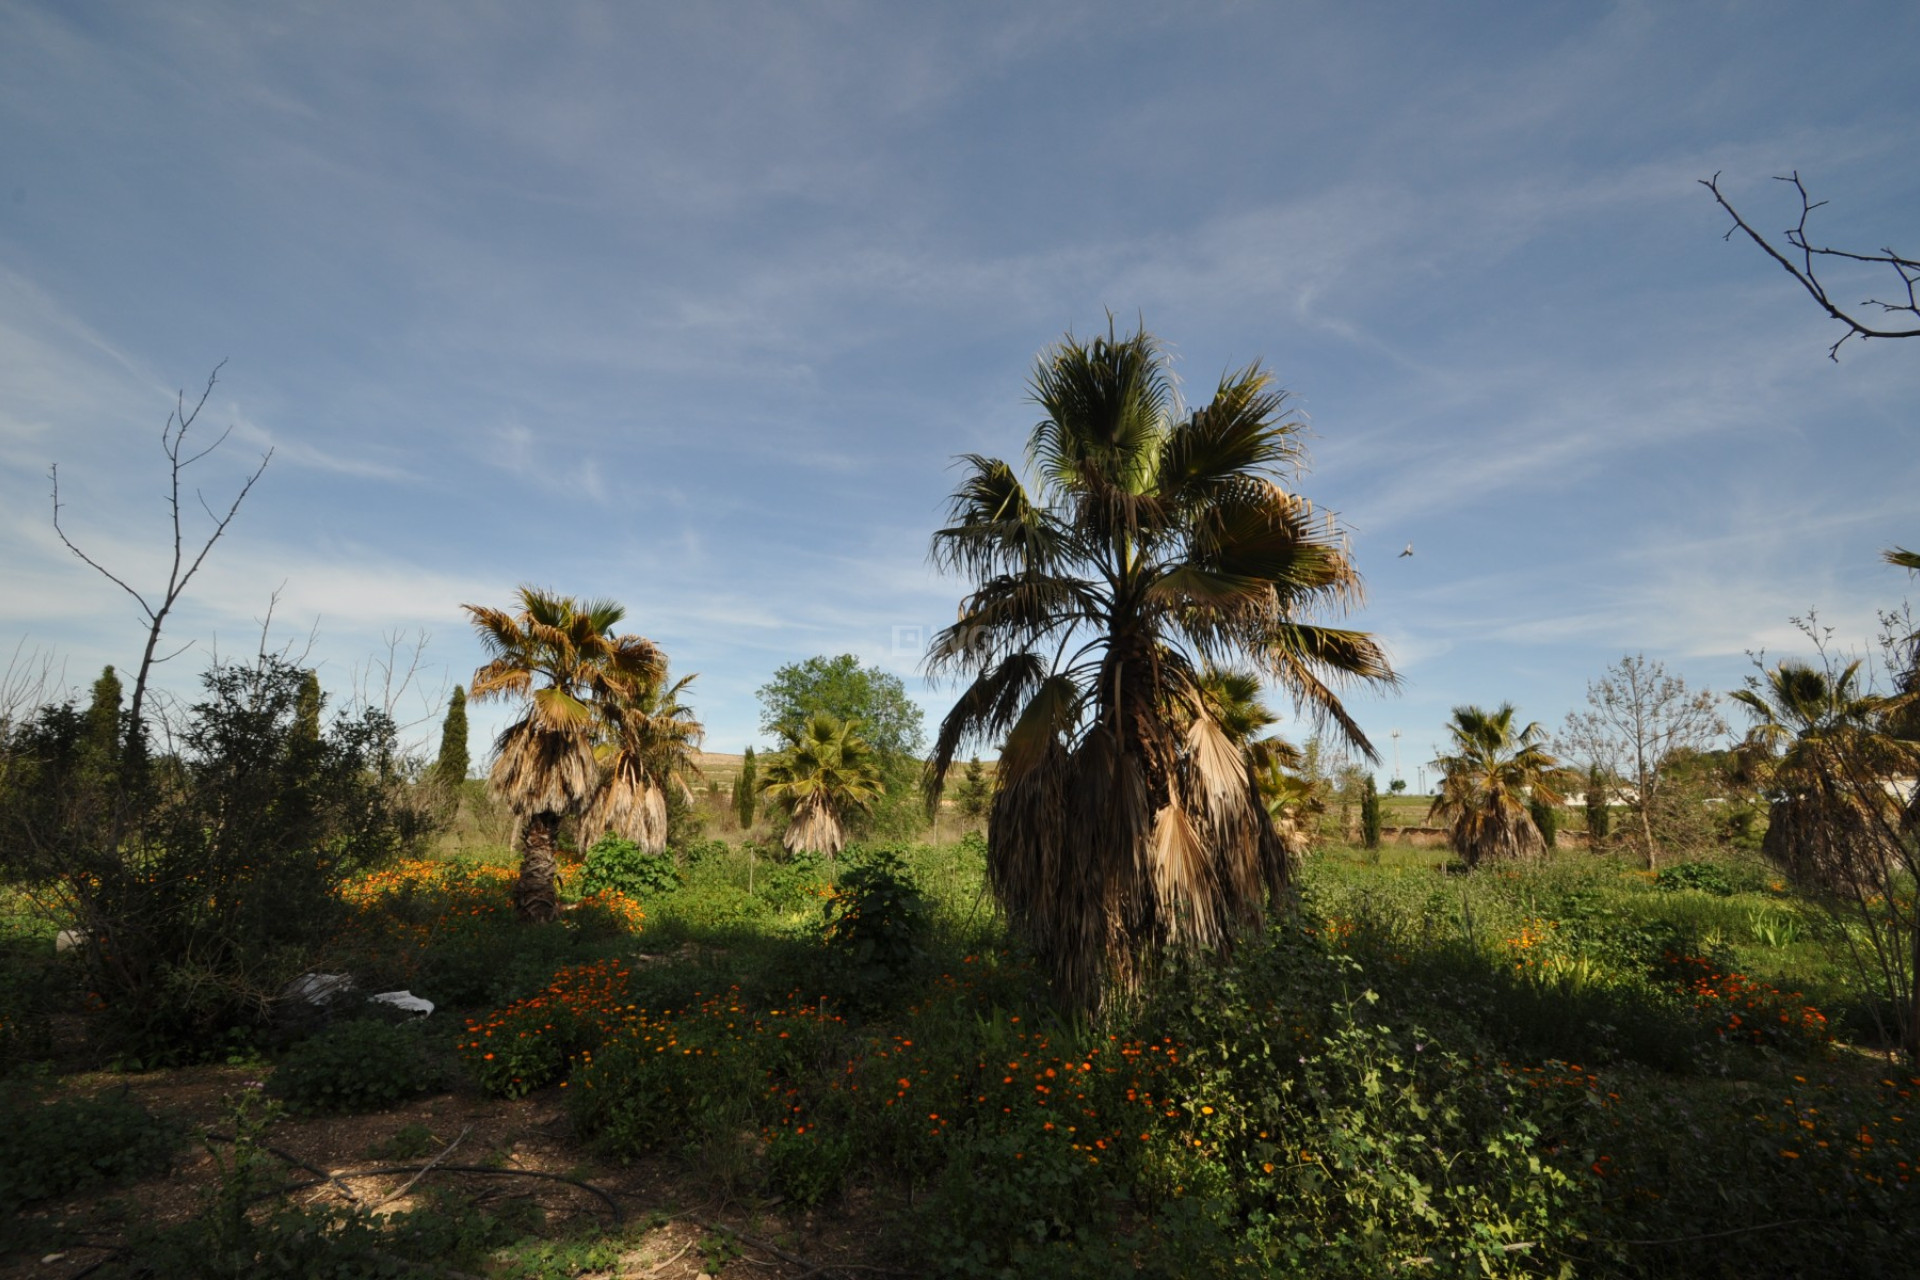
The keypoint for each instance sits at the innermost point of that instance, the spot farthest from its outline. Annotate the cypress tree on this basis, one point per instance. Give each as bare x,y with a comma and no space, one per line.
745,799
973,789
306,709
450,770
1370,814
1546,819
1596,808
102,733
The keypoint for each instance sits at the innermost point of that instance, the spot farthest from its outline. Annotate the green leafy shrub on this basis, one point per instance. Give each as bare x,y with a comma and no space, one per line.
876,920
1705,877
693,853
209,876
1346,1144
614,863
32,985
362,1065
1019,1201
50,1149
808,1167
790,882
679,1078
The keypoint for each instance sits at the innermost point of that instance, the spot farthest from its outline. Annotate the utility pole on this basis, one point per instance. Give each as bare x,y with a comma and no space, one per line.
1395,735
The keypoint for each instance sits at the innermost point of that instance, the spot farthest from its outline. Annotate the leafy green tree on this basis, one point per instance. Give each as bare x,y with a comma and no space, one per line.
1370,814
746,795
307,707
560,659
823,772
1152,540
842,688
889,720
1487,782
450,769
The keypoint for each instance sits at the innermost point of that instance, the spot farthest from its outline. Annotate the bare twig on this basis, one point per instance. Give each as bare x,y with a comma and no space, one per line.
182,567
1719,1235
606,1198
767,1246
1907,269
425,1169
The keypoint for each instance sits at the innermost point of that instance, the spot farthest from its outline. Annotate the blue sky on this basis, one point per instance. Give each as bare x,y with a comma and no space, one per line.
692,305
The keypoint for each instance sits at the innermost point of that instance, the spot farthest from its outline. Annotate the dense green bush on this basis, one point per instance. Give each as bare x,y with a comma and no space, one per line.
207,878
614,863
50,1149
1707,877
362,1065
876,921
808,1168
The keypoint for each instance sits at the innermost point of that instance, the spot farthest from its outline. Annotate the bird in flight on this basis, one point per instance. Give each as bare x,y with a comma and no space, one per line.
1404,554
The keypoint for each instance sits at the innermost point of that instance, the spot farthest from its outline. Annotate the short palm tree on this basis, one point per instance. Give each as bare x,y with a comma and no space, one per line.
1152,543
1487,782
561,659
823,773
648,743
1820,748
1294,805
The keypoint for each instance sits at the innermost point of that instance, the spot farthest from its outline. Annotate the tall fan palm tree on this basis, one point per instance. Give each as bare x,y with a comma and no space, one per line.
1820,747
1153,543
1487,781
562,660
648,743
824,772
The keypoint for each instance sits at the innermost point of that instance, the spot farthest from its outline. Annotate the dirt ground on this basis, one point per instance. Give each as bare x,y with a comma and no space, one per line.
666,1210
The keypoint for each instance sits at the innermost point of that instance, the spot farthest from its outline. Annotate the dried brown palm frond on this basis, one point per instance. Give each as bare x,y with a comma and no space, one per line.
626,804
648,743
539,770
814,828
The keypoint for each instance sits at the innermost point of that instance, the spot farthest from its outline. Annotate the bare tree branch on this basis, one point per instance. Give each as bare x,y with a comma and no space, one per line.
181,570
1803,270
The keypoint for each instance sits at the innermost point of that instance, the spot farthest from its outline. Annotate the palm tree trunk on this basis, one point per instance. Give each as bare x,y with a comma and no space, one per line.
533,895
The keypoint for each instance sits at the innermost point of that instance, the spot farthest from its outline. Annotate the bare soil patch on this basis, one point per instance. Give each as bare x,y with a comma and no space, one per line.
670,1215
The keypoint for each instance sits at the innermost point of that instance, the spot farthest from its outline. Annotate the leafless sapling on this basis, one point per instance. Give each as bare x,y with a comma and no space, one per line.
173,437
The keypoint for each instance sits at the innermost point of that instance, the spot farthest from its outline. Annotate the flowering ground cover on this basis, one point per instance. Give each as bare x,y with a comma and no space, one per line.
1564,1070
